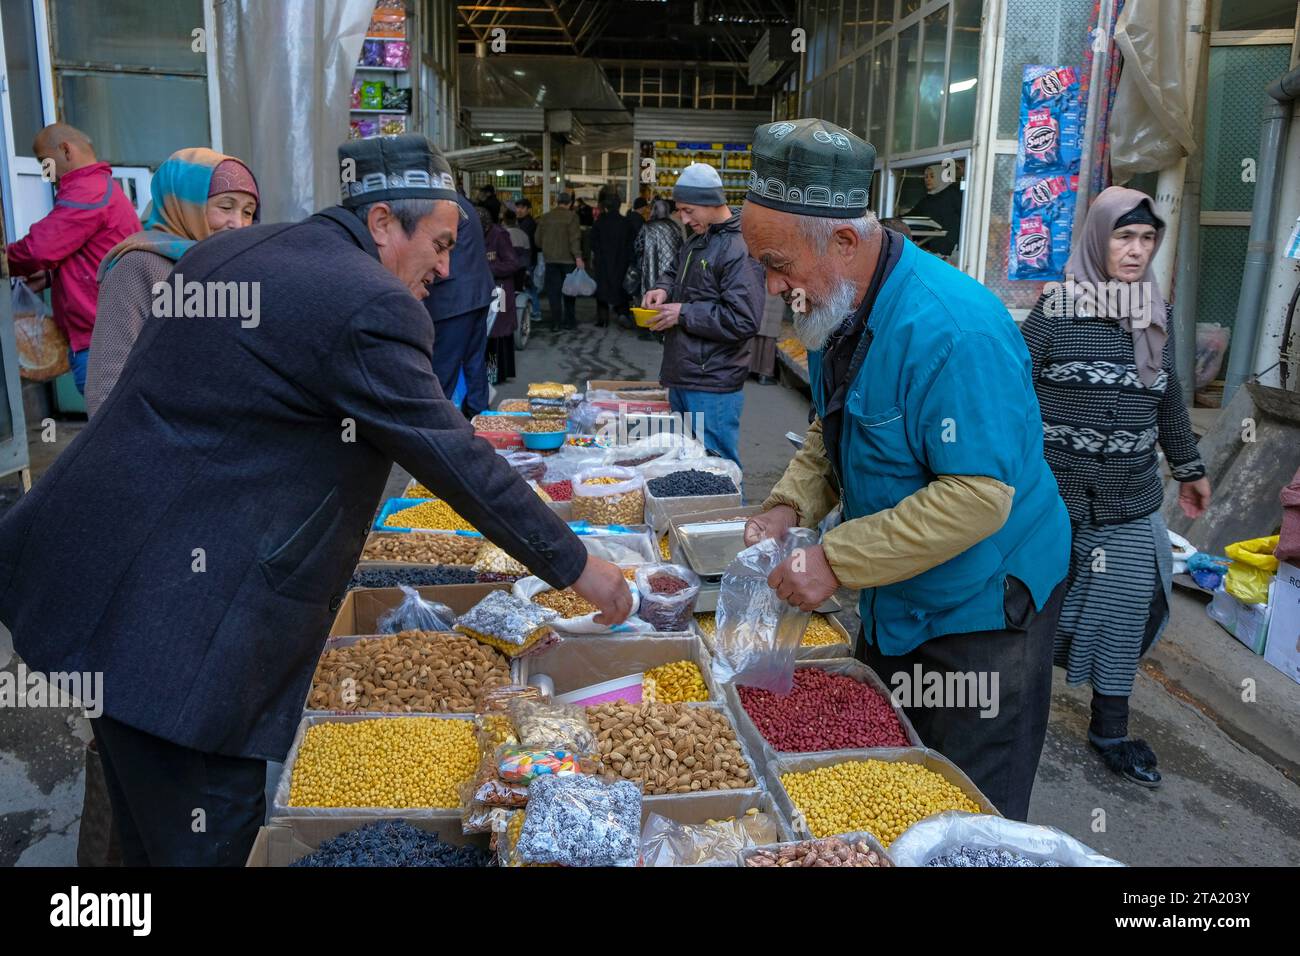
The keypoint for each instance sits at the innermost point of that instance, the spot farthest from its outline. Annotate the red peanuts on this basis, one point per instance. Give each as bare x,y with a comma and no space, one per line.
559,490
667,584
823,711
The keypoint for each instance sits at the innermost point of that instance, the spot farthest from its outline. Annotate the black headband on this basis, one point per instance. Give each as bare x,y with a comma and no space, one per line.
1140,215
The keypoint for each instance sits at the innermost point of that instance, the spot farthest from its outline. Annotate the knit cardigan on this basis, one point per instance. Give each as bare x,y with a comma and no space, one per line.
1100,423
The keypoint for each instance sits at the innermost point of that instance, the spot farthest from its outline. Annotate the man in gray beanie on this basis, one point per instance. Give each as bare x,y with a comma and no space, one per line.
710,303
213,512
928,434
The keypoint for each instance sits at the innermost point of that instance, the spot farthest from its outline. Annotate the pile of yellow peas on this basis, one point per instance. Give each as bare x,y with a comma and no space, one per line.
664,549
678,683
387,762
435,514
819,633
882,798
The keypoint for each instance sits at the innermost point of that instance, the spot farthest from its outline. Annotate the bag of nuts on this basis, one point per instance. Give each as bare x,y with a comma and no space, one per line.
576,615
609,495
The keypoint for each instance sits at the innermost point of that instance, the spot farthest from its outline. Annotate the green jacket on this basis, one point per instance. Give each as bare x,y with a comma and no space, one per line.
559,236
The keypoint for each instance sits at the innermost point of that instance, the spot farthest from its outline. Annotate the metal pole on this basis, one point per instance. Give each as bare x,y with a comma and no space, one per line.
1100,67
546,171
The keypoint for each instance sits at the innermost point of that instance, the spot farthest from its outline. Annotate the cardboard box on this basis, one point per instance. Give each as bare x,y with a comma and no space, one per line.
289,840
615,384
360,611
1248,623
1283,647
581,661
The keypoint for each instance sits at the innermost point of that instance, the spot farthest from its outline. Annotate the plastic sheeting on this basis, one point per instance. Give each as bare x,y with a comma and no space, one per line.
1150,125
285,75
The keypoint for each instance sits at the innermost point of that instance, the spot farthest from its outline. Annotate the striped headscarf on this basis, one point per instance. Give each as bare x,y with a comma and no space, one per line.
177,215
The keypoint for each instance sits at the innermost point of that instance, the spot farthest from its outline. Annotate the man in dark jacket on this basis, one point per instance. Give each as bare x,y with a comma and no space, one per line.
559,237
194,542
710,305
458,306
524,210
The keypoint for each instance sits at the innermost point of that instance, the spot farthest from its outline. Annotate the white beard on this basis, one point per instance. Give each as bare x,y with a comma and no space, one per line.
814,328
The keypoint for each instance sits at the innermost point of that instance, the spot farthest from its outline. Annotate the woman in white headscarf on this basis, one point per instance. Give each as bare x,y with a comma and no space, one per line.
942,203
1103,365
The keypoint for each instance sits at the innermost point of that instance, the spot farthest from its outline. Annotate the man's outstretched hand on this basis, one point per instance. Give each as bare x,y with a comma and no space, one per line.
603,585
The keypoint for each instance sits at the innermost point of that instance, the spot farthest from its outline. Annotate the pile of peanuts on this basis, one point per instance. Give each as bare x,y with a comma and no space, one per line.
434,513
677,683
627,507
670,748
498,423
881,798
513,405
568,602
833,851
823,711
411,672
544,425
399,762
421,547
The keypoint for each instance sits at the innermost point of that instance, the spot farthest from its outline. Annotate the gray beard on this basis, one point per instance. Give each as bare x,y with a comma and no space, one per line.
814,328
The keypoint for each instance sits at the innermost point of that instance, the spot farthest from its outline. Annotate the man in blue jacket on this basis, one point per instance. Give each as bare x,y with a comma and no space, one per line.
194,542
458,306
928,432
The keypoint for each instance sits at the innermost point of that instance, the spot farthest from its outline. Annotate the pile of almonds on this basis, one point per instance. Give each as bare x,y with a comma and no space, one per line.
410,672
670,748
832,851
421,547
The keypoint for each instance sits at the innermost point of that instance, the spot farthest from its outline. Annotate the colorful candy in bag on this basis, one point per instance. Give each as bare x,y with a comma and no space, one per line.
372,53
520,765
372,95
392,125
397,54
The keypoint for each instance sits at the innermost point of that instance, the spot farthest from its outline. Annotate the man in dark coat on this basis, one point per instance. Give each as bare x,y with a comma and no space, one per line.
194,542
612,239
458,306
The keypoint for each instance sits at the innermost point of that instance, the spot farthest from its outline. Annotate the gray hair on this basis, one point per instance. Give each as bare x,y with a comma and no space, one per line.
818,230
408,212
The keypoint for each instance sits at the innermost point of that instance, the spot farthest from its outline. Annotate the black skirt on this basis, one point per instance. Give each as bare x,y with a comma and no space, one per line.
501,357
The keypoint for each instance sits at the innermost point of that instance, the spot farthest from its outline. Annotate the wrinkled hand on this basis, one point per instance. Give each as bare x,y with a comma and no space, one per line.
668,315
772,523
1194,497
654,298
603,585
804,579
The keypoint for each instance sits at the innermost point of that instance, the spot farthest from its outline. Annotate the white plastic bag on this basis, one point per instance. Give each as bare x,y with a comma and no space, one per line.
539,272
758,634
578,283
944,832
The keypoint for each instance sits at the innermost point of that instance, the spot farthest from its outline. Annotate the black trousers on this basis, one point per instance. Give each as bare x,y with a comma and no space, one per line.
998,752
555,273
174,806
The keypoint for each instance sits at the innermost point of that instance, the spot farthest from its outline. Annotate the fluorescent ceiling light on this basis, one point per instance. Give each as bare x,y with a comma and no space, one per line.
501,172
962,86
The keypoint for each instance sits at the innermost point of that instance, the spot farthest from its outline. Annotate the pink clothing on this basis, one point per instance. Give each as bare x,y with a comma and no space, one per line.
91,215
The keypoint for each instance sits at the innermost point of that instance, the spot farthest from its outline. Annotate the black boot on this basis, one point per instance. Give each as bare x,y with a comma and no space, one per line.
1131,759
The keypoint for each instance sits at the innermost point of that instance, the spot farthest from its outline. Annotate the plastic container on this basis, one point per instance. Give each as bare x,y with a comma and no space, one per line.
544,441
644,318
621,501
664,611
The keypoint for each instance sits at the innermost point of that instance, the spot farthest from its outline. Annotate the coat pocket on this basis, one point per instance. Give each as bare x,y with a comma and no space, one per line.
282,564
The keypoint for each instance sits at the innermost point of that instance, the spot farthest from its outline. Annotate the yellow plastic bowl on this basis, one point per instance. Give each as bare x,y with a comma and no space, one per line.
644,317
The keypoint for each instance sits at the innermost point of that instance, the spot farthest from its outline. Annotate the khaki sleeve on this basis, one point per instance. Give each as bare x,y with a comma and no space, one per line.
925,529
807,485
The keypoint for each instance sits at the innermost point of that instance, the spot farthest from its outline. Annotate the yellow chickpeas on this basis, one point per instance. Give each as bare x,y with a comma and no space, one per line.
873,795
819,632
398,762
434,514
677,683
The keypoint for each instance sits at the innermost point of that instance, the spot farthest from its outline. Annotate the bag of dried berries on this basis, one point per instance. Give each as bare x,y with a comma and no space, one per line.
668,594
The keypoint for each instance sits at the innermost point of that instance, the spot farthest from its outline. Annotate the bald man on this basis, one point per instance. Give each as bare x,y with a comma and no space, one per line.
91,215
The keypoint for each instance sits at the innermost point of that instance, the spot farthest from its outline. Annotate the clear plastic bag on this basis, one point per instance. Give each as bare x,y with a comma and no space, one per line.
947,831
578,283
758,634
577,820
609,495
415,614
1211,346
42,346
667,610
529,465
666,842
506,622
546,726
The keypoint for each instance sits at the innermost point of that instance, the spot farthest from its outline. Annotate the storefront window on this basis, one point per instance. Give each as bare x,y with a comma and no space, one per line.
930,106
963,71
844,100
904,89
23,73
141,34
834,29
879,94
1257,15
862,97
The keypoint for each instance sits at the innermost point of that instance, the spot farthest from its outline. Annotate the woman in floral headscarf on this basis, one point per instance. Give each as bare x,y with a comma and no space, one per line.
196,193
1103,364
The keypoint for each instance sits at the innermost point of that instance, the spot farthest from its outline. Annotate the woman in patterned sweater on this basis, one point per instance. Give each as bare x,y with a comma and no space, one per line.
1103,350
